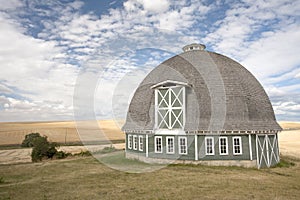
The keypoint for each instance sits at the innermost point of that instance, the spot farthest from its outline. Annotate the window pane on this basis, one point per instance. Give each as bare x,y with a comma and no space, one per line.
141,146
223,146
170,145
163,118
209,146
182,146
158,144
237,149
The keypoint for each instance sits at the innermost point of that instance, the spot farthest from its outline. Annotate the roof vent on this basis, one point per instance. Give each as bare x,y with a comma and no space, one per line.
194,47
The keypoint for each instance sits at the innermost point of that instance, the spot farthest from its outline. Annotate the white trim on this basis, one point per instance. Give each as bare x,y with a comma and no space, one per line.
173,145
147,154
167,111
270,152
212,146
184,146
183,107
226,140
156,109
257,158
196,147
267,143
240,145
129,141
273,145
135,142
141,143
261,148
250,147
155,144
170,81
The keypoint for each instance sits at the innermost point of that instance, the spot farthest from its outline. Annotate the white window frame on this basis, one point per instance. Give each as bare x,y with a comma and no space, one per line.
135,142
212,146
167,118
141,143
168,145
226,140
129,141
180,149
240,144
155,144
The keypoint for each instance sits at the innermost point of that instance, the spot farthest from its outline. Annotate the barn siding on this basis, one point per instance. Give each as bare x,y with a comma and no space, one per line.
245,148
176,155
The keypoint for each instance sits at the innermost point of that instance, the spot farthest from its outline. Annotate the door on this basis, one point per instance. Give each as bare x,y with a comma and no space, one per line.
267,150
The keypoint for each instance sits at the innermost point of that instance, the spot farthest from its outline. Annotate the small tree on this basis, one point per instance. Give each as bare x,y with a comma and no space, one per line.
42,149
28,141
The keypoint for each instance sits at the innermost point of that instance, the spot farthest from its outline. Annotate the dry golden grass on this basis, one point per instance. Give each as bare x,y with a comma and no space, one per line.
86,178
66,132
62,132
286,125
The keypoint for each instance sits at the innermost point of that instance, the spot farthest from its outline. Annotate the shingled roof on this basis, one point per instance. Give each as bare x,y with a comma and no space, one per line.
223,95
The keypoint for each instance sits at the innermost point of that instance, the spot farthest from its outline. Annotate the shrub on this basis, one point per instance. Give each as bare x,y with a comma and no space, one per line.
61,155
28,141
42,149
2,180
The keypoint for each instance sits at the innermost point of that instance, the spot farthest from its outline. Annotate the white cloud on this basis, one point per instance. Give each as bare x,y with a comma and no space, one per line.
10,5
155,6
275,54
42,69
4,89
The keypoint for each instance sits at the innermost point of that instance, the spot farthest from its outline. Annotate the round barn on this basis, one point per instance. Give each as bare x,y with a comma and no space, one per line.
201,107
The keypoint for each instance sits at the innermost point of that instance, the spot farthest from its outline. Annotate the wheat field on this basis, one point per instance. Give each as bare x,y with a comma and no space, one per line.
13,133
89,132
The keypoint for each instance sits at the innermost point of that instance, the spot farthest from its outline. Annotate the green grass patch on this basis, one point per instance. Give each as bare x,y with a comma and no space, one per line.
2,180
285,162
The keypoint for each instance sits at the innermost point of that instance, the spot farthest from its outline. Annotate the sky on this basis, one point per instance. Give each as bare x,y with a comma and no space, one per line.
71,59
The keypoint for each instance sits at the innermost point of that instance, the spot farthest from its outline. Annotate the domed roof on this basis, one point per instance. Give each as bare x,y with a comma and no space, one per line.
221,94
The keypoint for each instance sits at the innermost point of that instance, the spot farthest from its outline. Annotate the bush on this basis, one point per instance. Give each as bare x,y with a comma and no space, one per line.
2,180
42,149
61,155
28,141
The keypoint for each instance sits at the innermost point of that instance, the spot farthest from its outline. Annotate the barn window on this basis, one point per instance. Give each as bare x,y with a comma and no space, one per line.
170,107
223,146
237,145
141,145
135,142
209,146
158,144
129,141
170,144
182,145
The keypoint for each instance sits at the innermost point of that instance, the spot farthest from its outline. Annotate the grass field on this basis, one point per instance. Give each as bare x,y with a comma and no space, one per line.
86,178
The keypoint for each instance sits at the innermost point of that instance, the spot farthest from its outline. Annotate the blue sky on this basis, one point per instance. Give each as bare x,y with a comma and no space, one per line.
68,59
